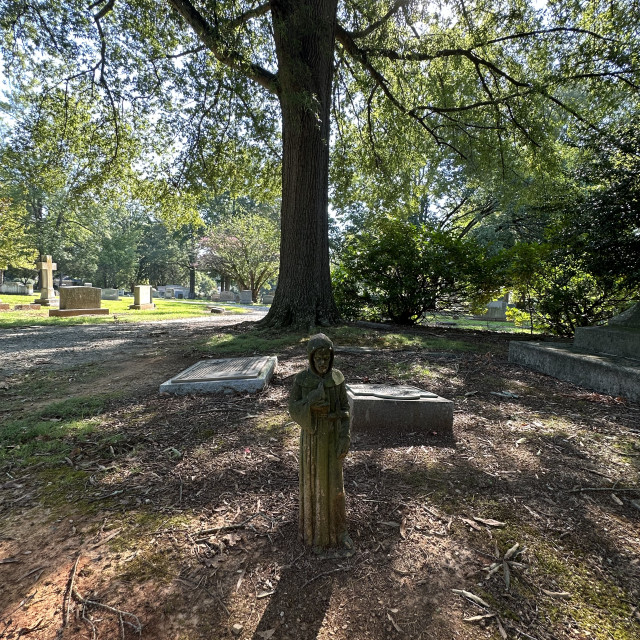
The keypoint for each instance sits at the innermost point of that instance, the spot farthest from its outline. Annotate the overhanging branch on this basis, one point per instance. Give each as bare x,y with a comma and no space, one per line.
209,36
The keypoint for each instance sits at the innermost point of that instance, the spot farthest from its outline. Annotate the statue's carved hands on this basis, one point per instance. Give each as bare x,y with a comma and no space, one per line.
317,397
342,447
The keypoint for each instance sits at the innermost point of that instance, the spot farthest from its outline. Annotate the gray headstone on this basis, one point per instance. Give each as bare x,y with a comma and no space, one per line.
388,409
80,298
110,294
228,374
245,296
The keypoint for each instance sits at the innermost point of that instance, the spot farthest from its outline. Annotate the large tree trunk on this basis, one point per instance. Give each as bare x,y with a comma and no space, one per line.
304,32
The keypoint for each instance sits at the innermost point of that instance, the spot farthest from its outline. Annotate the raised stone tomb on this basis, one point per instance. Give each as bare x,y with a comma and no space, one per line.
604,358
387,409
223,375
79,301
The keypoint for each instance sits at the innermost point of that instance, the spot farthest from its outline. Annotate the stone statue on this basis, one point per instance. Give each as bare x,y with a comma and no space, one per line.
319,404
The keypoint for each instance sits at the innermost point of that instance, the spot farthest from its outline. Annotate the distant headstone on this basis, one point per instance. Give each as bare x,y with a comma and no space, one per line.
47,292
88,284
110,294
227,296
224,375
27,307
79,301
267,299
388,409
604,358
16,288
154,293
169,293
246,297
180,295
142,298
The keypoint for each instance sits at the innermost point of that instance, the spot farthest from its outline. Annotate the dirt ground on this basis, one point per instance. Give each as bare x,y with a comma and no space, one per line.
175,518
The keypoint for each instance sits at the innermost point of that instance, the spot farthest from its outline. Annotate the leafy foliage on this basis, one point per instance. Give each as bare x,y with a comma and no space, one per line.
403,270
16,248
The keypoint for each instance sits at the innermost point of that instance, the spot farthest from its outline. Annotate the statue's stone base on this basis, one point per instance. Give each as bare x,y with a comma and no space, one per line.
614,375
142,307
387,409
47,302
65,313
224,375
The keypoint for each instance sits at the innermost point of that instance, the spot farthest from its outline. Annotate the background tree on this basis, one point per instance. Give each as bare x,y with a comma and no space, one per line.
16,249
246,247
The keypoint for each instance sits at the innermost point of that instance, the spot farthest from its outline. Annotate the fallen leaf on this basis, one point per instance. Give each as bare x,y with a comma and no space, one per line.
393,622
266,634
472,597
471,523
390,524
403,528
479,618
489,522
520,441
617,500
503,633
265,594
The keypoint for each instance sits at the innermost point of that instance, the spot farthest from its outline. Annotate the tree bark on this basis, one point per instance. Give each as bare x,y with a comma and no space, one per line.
304,34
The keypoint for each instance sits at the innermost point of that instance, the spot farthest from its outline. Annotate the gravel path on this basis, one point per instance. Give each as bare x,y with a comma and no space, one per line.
52,347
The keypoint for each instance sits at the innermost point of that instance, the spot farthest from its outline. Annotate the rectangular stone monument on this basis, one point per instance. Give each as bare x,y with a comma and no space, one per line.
110,294
604,358
246,297
224,375
169,294
79,301
88,284
142,298
387,409
227,296
47,292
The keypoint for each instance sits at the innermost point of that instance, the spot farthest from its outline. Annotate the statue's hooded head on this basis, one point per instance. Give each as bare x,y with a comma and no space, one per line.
320,351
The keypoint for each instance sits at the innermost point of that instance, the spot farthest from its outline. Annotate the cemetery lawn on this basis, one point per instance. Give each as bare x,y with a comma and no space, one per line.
135,515
119,312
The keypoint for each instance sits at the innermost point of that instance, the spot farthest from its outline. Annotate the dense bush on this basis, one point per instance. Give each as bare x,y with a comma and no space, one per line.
402,271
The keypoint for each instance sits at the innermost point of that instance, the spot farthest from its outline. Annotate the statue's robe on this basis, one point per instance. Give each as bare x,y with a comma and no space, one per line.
322,519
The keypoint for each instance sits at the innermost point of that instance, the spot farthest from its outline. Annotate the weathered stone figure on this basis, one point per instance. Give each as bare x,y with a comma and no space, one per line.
319,404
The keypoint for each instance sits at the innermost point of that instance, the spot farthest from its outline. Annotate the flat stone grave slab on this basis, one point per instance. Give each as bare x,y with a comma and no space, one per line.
223,375
387,409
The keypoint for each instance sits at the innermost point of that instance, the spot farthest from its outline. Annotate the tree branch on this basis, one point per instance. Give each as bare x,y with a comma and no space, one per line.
209,36
350,47
397,5
260,10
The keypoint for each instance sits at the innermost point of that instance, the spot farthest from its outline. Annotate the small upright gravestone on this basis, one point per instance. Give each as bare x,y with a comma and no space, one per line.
110,294
142,298
246,297
79,301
